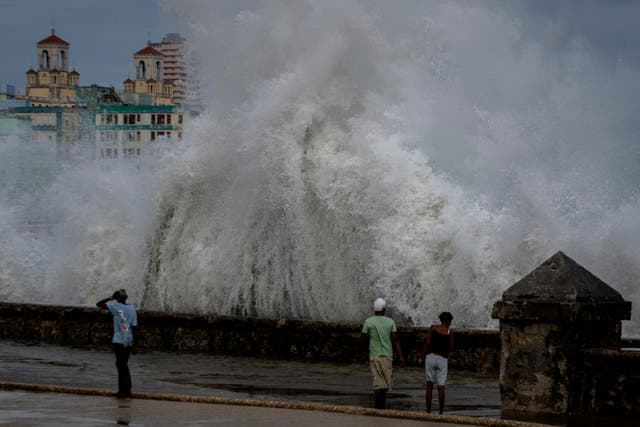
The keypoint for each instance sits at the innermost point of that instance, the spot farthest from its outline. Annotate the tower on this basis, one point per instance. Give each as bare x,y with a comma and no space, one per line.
52,84
53,53
148,63
180,67
149,86
173,48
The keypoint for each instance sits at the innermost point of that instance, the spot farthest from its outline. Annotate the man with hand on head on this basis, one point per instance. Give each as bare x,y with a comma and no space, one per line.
125,319
381,332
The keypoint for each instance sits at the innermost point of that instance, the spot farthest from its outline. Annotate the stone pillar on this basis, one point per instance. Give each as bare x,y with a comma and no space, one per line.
546,319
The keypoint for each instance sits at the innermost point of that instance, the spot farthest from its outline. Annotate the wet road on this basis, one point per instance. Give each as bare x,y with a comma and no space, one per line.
241,377
60,409
229,377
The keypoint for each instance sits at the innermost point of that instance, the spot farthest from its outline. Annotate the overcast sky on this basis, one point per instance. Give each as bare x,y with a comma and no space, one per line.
103,35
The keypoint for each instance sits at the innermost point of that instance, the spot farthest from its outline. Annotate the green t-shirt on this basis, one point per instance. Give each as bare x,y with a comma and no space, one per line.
379,329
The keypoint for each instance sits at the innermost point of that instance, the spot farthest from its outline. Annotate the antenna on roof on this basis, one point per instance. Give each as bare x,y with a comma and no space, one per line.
53,26
149,38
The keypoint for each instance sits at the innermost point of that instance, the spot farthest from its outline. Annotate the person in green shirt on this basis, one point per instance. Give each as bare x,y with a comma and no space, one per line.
381,332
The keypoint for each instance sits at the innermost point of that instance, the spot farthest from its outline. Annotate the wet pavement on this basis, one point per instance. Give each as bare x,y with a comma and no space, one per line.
60,409
209,376
242,377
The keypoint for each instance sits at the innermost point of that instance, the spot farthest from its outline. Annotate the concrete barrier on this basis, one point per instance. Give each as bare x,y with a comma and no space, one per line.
560,329
476,350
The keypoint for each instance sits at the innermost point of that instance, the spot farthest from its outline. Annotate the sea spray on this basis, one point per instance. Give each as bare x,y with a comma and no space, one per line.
432,154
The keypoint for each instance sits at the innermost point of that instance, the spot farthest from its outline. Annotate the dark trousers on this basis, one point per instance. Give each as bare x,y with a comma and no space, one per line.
124,377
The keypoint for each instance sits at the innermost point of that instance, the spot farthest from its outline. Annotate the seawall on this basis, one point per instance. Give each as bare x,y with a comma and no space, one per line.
476,350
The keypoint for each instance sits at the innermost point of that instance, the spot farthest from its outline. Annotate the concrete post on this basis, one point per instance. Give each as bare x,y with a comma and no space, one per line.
546,319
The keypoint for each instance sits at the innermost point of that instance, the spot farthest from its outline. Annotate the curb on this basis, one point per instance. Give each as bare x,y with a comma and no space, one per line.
349,410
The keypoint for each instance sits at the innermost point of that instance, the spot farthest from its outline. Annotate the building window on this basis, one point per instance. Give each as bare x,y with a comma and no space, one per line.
158,70
153,136
160,119
168,119
137,117
109,119
129,153
109,153
45,60
63,65
129,119
153,119
108,135
141,71
180,119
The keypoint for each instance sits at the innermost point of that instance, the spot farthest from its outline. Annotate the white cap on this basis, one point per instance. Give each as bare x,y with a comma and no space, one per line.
379,304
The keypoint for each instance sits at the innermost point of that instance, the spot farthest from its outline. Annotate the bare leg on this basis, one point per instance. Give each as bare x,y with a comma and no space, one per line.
441,398
380,398
429,395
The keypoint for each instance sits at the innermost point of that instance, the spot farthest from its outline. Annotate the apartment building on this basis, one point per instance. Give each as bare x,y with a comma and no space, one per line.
127,131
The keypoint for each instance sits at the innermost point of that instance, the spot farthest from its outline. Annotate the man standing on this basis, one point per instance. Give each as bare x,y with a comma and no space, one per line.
125,319
381,331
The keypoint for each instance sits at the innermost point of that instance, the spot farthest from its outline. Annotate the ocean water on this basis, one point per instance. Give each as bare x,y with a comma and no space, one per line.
431,153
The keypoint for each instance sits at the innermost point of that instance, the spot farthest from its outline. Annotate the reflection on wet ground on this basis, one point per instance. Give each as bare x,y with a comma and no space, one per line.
22,408
242,377
255,378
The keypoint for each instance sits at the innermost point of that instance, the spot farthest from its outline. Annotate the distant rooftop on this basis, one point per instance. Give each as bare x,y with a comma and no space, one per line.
8,89
173,38
12,103
149,50
53,39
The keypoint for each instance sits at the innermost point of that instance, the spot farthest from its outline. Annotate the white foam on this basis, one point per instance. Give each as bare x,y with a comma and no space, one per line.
432,156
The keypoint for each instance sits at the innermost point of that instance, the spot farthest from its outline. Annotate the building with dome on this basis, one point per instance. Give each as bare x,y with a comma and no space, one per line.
149,86
94,122
52,84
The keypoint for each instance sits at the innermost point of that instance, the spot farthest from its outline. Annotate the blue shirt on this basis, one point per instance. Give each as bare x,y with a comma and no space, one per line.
124,317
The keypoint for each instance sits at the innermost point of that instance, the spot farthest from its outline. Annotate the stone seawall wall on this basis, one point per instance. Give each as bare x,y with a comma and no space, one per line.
476,350
610,382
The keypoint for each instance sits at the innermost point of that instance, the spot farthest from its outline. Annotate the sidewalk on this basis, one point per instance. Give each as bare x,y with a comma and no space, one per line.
23,408
244,378
171,389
